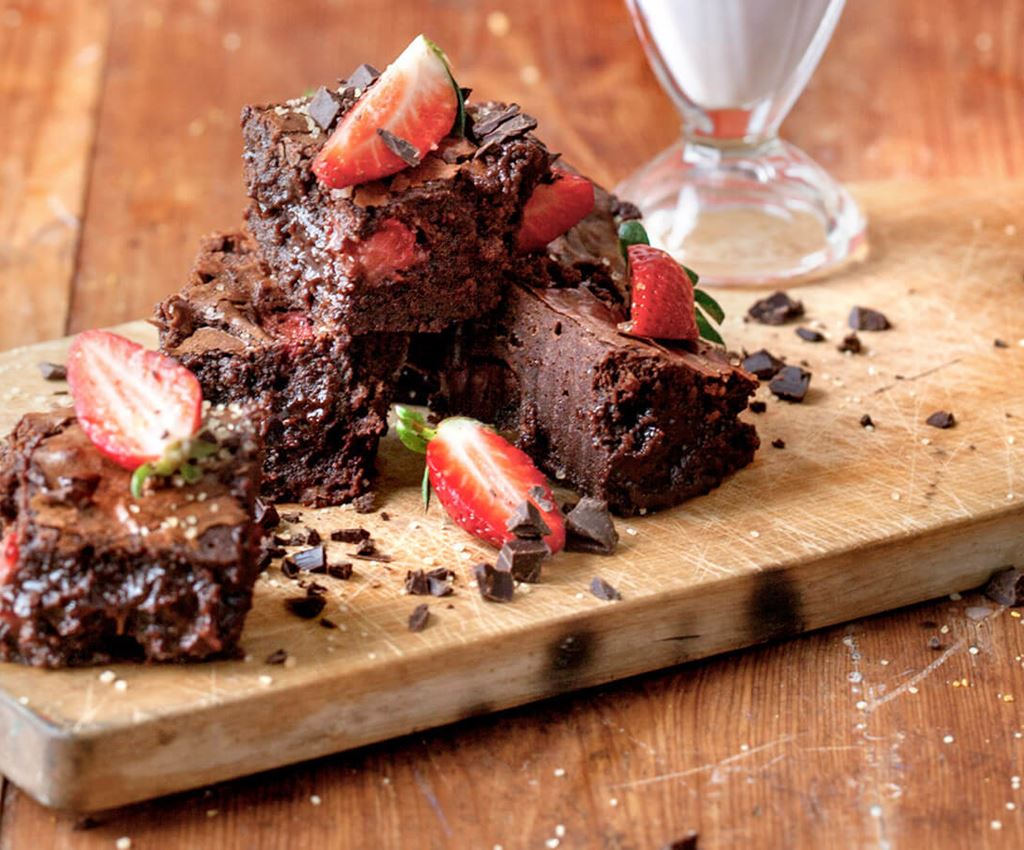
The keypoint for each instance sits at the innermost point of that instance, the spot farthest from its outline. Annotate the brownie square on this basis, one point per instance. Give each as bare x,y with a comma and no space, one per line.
100,576
461,205
325,392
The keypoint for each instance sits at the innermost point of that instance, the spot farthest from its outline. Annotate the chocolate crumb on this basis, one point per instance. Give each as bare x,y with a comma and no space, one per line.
758,407
778,443
604,591
349,535
851,343
523,558
419,617
1000,343
589,528
1006,587
277,657
810,335
341,570
687,842
324,108
404,150
866,319
866,421
327,624
385,516
762,364
791,384
306,607
495,585
526,522
776,309
941,419
53,371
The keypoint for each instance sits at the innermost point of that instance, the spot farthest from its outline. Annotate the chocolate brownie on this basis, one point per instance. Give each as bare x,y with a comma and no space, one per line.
326,392
412,252
95,575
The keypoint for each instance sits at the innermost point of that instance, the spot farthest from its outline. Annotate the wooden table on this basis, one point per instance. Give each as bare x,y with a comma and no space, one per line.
120,146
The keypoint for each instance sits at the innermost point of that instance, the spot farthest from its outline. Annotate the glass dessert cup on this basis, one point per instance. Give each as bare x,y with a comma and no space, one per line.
731,199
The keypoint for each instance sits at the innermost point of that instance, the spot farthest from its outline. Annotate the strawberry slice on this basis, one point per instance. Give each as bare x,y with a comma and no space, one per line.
480,478
553,208
391,248
415,100
8,557
132,403
662,296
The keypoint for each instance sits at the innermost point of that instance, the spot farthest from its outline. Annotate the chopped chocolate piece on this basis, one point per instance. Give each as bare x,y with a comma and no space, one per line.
998,343
385,516
404,150
365,504
518,125
316,589
266,514
53,371
312,536
537,493
324,107
776,309
490,122
589,528
602,590
941,419
283,539
851,343
866,319
778,443
350,535
866,421
757,407
327,624
417,583
362,76
791,384
687,842
291,516
762,364
419,617
308,559
289,568
306,607
341,570
526,521
440,581
279,656
1006,587
523,559
809,335
495,585
367,551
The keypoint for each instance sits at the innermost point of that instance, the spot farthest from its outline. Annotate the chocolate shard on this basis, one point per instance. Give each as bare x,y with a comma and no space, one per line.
998,343
278,656
523,558
589,528
941,419
312,536
495,585
866,319
777,309
327,624
758,407
1006,587
540,497
419,617
604,591
53,371
341,570
308,559
289,569
687,842
866,421
810,335
440,581
490,122
851,344
362,76
762,364
778,443
791,384
526,521
405,151
417,583
324,108
349,535
266,515
306,607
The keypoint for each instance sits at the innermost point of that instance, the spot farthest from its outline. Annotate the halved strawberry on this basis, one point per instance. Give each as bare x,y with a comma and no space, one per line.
8,556
480,478
662,296
553,208
415,100
132,403
391,248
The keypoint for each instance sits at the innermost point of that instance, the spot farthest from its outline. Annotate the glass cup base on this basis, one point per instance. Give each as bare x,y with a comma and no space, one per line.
747,216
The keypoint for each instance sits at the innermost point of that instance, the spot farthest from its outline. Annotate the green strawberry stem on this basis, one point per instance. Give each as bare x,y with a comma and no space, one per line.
177,457
710,305
425,489
632,233
412,429
707,331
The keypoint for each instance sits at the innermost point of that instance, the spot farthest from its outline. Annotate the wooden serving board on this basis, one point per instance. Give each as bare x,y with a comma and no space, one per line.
841,523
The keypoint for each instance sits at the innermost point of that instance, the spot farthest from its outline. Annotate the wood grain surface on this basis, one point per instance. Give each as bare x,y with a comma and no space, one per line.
768,748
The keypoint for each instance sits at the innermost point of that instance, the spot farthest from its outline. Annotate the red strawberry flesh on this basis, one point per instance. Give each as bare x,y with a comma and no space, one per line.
132,403
662,296
391,248
553,208
8,557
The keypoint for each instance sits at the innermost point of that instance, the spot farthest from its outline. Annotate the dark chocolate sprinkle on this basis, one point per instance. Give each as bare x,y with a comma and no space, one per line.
349,535
540,497
341,570
1006,587
523,558
776,309
762,364
758,407
866,421
778,443
589,528
809,335
602,590
866,319
941,419
362,76
324,108
277,657
851,343
791,384
526,521
495,585
405,151
306,607
53,371
419,617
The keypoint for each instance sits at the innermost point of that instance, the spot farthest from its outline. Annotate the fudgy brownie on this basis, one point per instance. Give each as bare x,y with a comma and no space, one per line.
413,252
94,575
326,393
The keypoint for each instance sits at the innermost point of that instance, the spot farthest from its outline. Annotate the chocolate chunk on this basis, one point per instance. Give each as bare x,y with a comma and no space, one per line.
778,443
312,536
495,585
776,309
308,559
758,407
866,319
762,364
791,384
998,343
1006,587
526,521
385,516
491,122
866,421
324,108
291,516
523,558
368,551
589,528
327,624
417,583
362,76
341,570
440,581
687,842
289,569
540,498
851,343
53,371
306,607
941,419
405,151
277,657
602,590
365,504
809,335
266,515
315,589
367,547
349,535
283,539
519,125
419,617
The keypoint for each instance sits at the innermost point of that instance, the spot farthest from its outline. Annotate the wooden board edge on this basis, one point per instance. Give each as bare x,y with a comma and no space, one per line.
92,768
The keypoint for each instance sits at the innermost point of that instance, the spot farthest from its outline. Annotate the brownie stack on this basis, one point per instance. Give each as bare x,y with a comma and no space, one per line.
323,310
